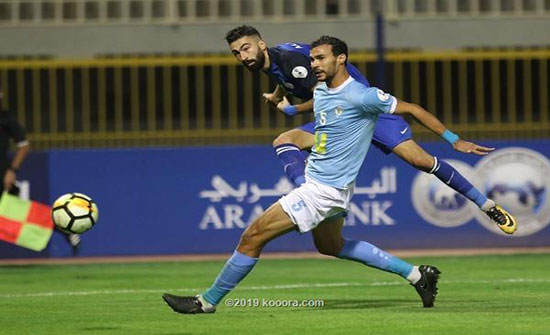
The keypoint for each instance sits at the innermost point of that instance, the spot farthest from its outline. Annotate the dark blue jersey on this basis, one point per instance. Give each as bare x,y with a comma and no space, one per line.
291,67
9,129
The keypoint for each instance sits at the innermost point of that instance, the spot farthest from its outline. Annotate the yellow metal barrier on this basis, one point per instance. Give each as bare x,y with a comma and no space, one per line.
213,100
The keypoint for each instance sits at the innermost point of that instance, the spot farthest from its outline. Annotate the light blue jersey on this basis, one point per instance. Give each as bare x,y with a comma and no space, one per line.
345,118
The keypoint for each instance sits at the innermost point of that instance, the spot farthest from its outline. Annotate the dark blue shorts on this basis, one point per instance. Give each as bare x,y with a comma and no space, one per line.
390,130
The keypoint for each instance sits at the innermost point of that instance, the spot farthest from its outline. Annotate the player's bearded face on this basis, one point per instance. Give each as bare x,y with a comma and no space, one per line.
256,63
323,62
248,52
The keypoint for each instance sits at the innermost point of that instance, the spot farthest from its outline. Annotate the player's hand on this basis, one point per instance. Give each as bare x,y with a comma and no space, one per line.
288,109
271,98
9,179
282,104
471,148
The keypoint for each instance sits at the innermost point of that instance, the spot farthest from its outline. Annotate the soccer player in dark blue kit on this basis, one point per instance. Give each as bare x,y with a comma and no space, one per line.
289,64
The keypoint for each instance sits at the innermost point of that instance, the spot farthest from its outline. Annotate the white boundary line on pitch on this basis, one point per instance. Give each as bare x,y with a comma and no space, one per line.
262,288
269,255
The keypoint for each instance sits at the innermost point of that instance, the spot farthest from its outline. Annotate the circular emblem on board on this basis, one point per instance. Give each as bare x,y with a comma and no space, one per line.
518,179
439,204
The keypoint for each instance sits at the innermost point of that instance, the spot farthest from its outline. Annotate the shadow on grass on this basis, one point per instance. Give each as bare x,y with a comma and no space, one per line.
365,303
405,305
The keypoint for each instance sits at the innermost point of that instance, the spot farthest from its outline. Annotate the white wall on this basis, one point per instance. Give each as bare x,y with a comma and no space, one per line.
90,41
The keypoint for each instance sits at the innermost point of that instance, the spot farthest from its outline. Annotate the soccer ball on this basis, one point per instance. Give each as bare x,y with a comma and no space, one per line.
74,213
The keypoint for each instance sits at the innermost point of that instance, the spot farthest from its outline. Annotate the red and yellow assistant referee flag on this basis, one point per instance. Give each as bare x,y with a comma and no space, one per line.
25,223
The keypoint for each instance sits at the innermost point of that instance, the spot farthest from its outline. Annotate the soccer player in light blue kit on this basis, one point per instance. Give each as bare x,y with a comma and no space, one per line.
345,116
289,65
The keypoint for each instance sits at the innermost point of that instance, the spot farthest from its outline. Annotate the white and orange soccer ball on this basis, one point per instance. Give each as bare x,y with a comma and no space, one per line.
74,213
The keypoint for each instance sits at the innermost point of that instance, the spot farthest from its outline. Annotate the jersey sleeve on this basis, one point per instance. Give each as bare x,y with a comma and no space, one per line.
16,131
374,100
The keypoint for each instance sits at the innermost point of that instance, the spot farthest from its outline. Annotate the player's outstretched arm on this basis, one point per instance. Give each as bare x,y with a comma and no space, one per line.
285,107
429,121
23,149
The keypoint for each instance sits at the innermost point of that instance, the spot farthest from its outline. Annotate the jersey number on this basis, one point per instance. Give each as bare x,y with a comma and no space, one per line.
323,120
320,143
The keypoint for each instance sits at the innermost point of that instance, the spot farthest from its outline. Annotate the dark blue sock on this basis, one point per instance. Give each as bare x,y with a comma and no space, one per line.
293,162
235,269
450,176
368,254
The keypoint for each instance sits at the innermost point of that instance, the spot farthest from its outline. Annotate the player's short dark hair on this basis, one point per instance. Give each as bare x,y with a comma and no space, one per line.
338,46
241,31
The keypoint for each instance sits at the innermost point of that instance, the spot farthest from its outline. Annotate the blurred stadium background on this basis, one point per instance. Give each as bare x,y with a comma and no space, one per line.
139,104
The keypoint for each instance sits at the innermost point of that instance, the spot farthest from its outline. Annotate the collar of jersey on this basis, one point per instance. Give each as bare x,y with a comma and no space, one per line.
341,86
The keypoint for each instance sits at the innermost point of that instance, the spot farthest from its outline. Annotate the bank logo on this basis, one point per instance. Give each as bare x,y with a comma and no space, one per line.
439,204
248,192
237,204
518,179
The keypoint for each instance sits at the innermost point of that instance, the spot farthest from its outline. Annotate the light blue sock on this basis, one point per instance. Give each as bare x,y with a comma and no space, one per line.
368,254
235,269
450,176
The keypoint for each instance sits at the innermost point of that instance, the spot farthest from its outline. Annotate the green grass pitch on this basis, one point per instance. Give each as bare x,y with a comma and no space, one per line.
504,294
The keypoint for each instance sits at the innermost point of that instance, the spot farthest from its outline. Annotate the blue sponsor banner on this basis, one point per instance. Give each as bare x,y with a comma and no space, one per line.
199,200
150,200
